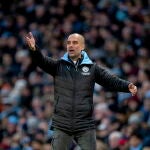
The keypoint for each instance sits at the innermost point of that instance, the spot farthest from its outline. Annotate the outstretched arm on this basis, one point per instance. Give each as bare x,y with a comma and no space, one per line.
47,64
113,83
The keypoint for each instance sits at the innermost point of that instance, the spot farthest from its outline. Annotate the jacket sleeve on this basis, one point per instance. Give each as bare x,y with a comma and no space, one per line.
46,63
109,81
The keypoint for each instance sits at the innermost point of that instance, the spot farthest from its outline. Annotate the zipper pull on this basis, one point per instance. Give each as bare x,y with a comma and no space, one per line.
76,67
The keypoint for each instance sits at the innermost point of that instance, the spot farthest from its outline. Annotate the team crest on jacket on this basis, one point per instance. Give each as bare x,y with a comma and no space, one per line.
85,70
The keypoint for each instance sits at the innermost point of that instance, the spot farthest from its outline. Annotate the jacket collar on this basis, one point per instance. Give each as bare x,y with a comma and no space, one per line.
86,59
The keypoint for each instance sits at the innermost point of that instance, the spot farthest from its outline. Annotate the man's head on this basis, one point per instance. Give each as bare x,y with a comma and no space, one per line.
75,44
114,139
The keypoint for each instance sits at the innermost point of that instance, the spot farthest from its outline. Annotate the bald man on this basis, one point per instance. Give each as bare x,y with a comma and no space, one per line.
74,78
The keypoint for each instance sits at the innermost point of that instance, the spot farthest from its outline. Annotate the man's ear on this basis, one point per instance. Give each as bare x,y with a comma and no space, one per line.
83,46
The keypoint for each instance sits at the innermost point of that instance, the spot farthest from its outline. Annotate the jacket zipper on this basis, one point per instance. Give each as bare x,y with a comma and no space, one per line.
74,90
73,108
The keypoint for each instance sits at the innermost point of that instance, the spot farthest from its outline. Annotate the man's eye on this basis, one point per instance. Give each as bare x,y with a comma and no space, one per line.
75,42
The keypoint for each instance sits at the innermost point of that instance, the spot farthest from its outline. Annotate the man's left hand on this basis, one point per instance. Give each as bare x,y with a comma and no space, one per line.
132,89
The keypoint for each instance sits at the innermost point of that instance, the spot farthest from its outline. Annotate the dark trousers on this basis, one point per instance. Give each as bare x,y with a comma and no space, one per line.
62,141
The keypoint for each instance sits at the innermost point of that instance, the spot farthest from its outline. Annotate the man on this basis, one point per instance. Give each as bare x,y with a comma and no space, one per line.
114,139
74,78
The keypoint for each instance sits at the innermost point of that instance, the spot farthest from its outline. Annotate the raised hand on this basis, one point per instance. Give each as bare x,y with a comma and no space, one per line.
30,40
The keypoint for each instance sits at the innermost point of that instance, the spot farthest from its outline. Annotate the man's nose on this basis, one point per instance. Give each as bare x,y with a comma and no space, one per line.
71,45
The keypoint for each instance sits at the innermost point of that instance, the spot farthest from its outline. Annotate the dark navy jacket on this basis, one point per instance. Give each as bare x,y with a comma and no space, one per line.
73,87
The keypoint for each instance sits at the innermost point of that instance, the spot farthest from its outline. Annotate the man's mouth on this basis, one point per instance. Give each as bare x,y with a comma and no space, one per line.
71,51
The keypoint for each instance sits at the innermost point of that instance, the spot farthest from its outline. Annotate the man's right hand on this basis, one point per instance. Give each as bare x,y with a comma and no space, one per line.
30,40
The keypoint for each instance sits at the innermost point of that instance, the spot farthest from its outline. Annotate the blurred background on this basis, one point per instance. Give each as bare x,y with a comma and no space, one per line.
117,34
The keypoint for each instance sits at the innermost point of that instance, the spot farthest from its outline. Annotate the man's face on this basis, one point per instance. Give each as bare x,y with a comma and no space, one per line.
75,44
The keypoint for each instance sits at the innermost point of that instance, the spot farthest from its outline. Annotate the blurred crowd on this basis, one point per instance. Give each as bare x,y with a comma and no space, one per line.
117,34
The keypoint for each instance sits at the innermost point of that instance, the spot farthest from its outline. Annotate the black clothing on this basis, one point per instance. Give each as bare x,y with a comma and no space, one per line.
73,87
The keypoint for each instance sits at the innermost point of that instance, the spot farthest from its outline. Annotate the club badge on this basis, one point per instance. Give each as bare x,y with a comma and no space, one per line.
85,70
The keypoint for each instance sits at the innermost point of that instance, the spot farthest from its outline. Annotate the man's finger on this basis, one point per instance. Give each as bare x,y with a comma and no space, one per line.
134,91
30,35
27,40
